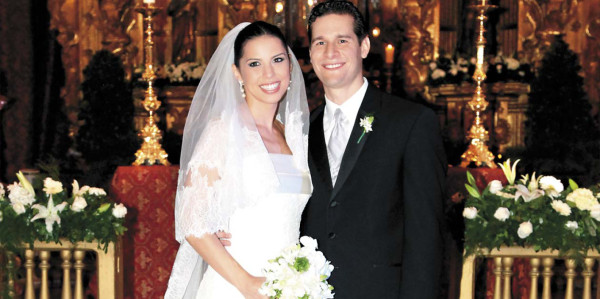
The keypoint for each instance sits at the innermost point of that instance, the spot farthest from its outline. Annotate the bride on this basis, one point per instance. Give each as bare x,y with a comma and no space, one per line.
243,166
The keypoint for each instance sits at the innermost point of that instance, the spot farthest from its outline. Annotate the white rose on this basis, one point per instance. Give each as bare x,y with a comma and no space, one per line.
119,211
583,198
562,207
502,214
2,192
97,191
525,229
595,212
470,212
438,73
495,186
512,64
572,225
52,187
18,194
18,207
551,185
78,204
309,242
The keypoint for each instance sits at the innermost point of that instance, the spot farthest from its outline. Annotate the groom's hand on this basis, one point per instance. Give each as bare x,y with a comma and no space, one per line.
224,238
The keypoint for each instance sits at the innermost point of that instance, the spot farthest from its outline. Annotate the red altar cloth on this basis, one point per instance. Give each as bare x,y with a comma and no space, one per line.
149,245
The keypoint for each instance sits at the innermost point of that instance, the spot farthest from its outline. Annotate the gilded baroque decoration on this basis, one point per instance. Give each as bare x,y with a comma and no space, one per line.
87,26
540,20
233,12
478,152
591,58
420,22
151,151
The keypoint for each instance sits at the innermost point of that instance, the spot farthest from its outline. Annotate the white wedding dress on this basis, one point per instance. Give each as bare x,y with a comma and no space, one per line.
261,231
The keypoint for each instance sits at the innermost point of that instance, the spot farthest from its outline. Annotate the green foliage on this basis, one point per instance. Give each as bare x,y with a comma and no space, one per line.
94,222
484,231
561,136
106,137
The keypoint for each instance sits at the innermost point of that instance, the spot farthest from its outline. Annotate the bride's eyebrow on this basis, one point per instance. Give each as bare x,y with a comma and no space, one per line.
282,53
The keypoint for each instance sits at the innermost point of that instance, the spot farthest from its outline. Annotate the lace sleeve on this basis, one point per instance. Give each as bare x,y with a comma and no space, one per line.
197,206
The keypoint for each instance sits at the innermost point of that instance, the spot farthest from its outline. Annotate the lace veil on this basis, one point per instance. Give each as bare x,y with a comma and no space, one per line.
224,163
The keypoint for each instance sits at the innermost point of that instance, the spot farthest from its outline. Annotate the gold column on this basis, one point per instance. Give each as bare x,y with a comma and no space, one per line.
570,275
534,274
477,152
78,255
151,151
65,254
587,274
29,265
44,266
10,273
547,262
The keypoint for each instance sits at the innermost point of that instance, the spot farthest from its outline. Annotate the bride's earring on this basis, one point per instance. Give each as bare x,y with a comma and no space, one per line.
289,85
242,89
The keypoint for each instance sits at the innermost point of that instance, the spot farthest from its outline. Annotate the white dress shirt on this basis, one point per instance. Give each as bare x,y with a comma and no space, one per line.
349,108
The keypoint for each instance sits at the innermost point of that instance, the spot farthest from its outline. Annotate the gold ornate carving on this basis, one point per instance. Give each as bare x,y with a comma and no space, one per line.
233,12
591,60
540,20
420,22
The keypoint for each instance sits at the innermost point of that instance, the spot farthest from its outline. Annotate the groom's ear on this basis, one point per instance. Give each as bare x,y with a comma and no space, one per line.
365,46
236,72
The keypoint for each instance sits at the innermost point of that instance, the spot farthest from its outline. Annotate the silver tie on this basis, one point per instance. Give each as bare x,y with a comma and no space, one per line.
337,144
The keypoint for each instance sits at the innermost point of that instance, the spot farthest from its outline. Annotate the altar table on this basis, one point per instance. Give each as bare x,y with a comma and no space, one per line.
149,245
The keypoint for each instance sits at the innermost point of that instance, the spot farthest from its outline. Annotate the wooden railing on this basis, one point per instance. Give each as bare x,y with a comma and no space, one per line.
503,262
109,269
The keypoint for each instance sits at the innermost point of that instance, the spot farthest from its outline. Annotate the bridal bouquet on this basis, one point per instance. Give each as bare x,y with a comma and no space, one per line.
299,272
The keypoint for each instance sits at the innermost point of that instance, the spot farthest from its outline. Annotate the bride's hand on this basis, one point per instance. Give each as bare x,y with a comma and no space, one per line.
250,291
224,238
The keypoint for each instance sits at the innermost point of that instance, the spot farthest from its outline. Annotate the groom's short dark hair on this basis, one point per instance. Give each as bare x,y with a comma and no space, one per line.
338,7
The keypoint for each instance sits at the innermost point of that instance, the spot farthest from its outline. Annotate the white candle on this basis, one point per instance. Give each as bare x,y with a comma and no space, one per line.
389,54
149,1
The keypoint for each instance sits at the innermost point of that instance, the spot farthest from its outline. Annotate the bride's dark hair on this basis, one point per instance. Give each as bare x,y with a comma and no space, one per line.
256,29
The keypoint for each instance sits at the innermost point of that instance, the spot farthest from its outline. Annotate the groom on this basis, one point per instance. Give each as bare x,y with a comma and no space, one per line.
378,170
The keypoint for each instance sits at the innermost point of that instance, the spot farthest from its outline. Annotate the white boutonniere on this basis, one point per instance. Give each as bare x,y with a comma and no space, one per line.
367,124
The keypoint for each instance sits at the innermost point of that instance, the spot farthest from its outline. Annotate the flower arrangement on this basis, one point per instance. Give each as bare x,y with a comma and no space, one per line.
537,212
299,272
185,73
446,70
51,214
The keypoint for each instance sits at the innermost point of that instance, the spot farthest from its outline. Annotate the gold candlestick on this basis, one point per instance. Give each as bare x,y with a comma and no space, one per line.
151,151
478,152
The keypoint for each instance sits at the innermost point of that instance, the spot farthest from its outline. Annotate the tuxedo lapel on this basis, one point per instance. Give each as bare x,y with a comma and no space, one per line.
318,149
369,107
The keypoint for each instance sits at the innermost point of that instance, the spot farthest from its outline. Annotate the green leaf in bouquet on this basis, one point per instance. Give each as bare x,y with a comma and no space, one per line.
473,191
471,179
573,185
301,264
591,226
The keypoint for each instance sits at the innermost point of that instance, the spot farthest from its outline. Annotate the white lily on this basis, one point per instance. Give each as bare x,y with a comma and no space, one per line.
77,192
25,183
49,213
526,194
510,171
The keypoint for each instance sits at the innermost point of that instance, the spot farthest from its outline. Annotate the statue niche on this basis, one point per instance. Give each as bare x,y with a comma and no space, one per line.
183,15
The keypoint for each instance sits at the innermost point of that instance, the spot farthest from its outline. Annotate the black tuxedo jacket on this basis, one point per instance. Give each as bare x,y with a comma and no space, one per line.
380,224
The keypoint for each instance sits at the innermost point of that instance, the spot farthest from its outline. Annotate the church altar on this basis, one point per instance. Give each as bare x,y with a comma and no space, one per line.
504,117
149,245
